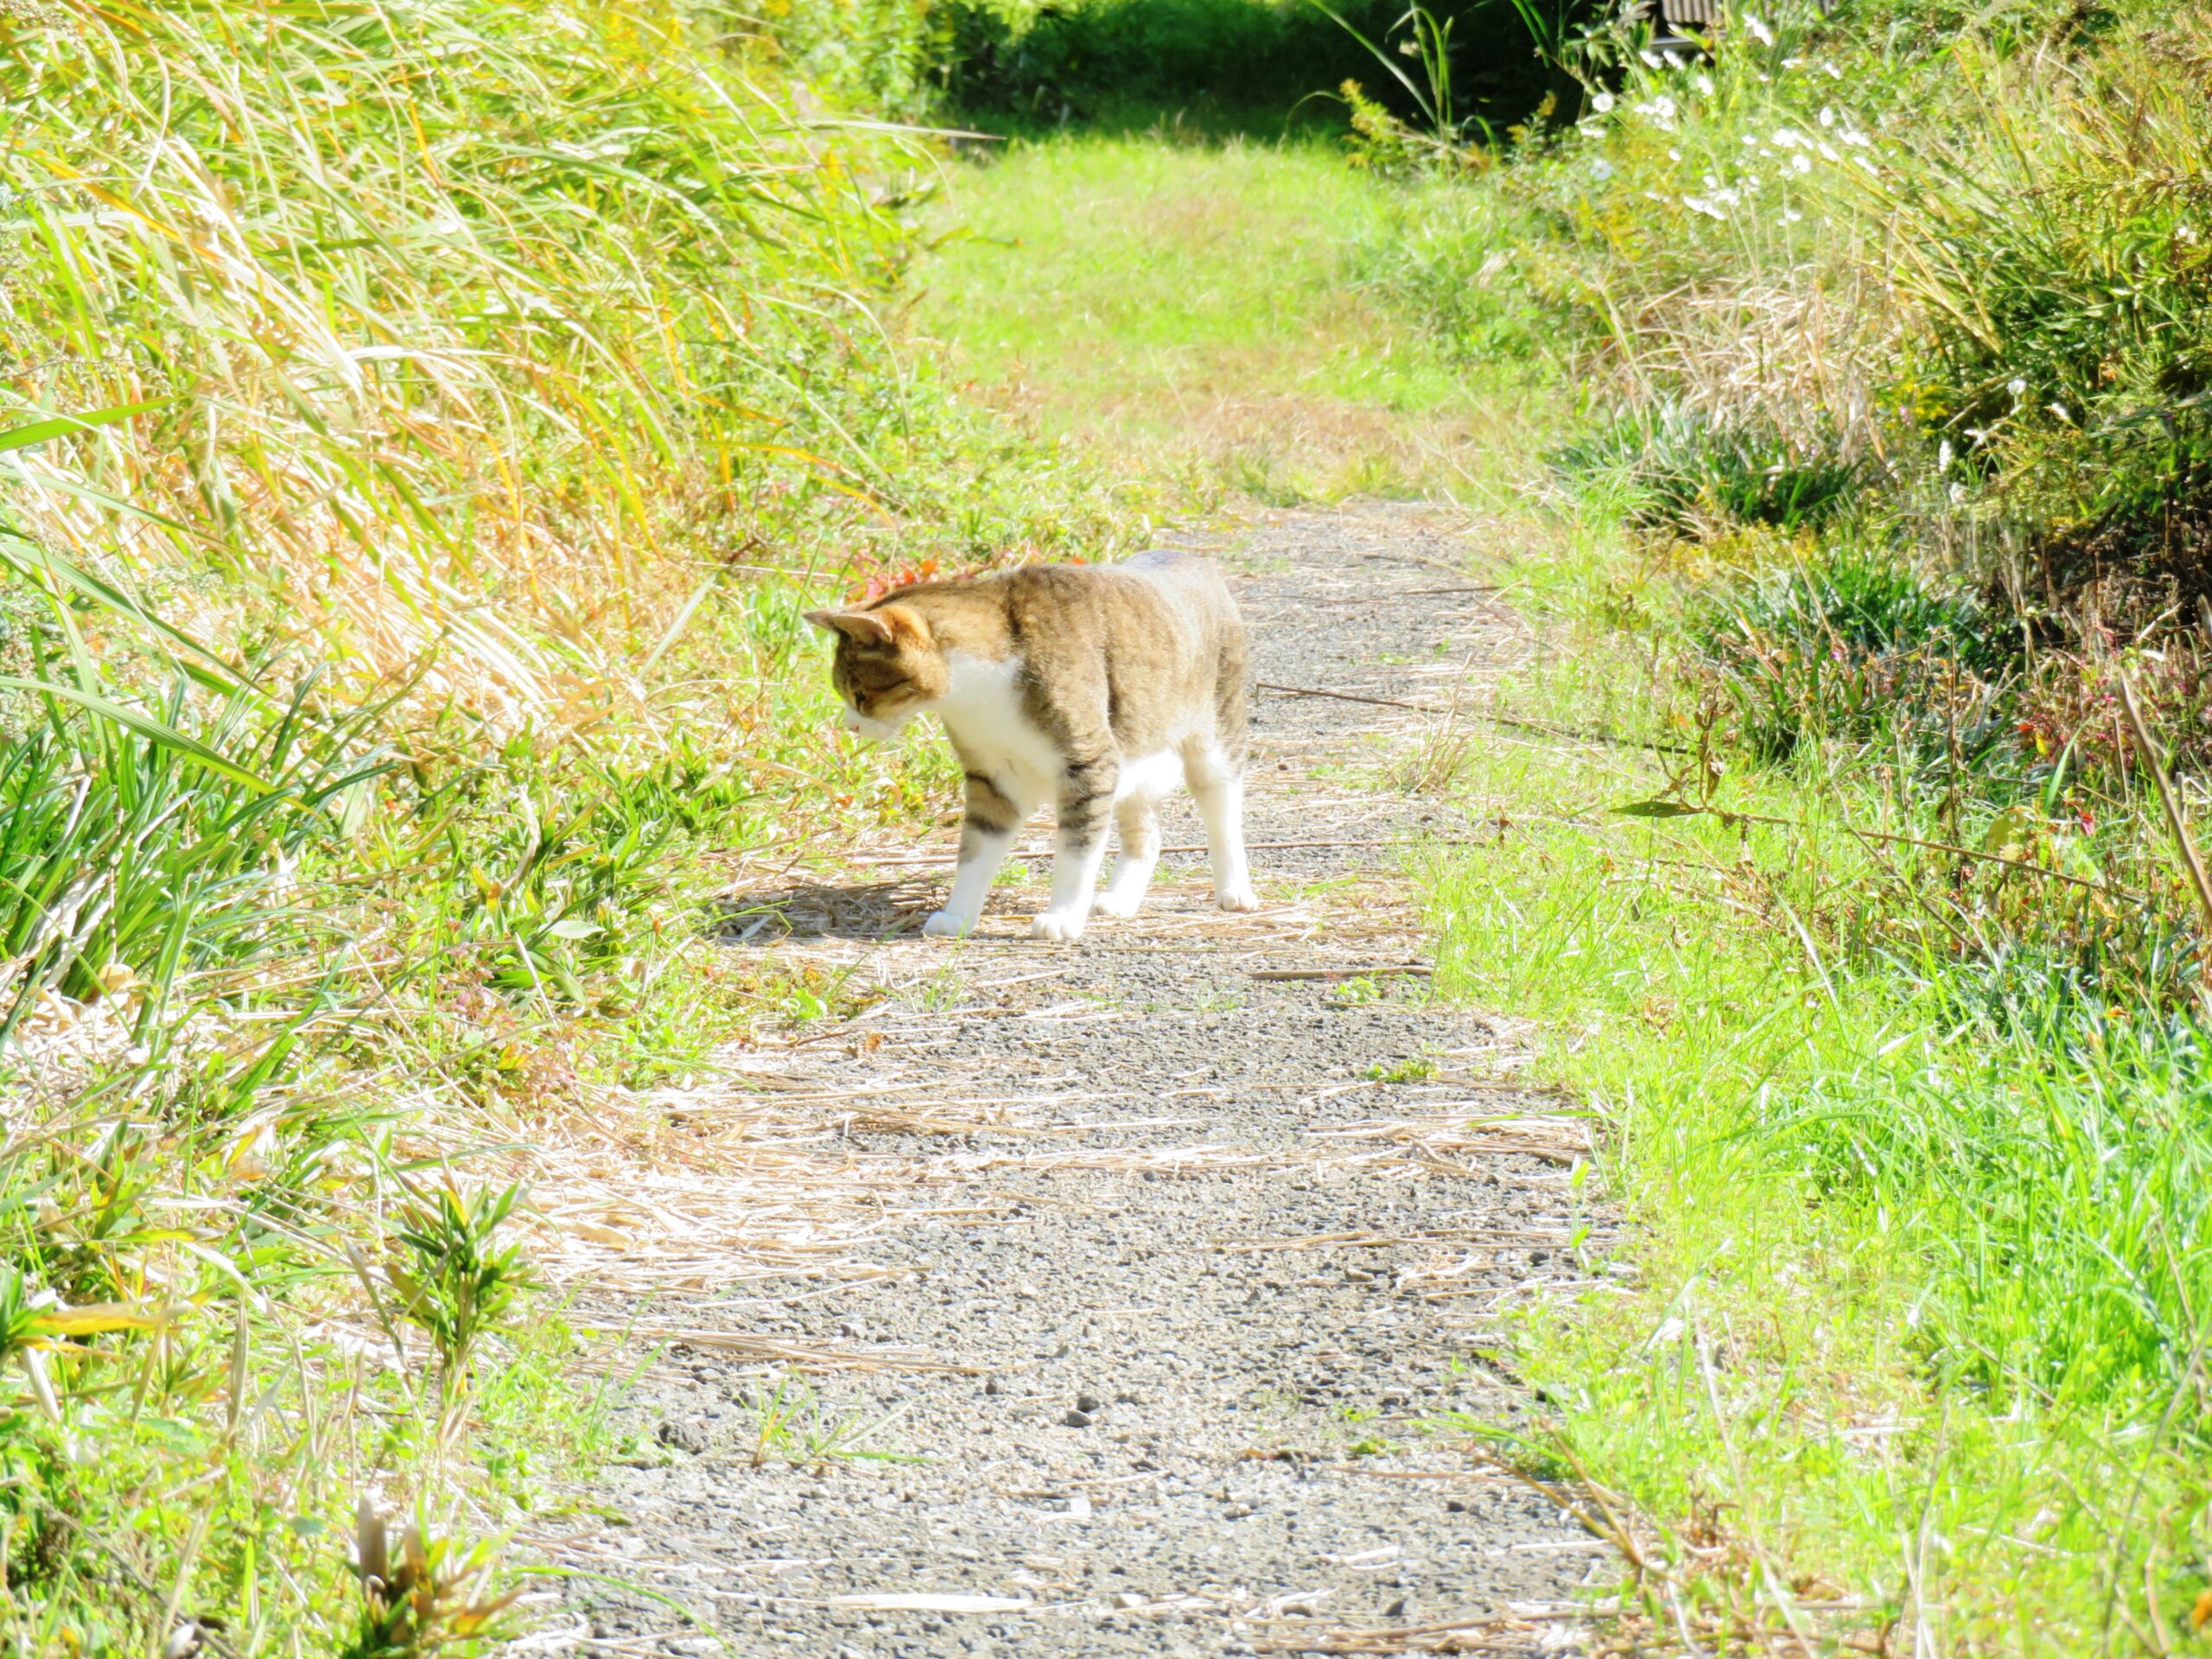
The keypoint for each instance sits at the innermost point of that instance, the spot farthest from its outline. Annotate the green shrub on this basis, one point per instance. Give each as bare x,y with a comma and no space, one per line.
1675,469
1850,643
1085,59
2058,256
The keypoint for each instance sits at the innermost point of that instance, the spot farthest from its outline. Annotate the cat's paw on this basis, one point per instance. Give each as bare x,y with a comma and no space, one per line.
1061,926
944,925
1238,897
1117,905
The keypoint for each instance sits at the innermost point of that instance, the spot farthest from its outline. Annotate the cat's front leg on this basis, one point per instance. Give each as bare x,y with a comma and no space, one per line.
1086,800
992,822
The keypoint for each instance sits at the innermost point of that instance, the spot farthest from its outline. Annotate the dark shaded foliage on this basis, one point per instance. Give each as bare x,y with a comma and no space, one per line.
1225,63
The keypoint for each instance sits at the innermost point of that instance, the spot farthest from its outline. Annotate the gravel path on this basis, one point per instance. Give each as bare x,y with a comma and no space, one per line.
1178,1266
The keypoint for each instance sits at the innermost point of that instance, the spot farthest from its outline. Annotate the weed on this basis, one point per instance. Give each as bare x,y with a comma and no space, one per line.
1848,642
1413,1070
453,1277
1668,467
792,1425
423,1594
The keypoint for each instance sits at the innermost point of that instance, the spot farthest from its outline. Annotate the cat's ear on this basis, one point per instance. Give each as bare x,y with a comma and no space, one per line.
888,626
906,624
867,626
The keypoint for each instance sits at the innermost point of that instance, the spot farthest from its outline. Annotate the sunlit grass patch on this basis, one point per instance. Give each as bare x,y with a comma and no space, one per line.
1195,307
1914,1162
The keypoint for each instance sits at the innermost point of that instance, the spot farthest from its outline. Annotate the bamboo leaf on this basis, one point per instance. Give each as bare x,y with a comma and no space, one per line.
22,437
145,725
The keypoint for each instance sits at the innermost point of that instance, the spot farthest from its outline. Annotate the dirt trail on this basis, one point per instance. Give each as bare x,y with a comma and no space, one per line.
1161,1257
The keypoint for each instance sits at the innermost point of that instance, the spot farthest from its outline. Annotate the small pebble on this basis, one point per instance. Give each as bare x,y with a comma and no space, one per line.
990,1385
1087,1402
1077,1419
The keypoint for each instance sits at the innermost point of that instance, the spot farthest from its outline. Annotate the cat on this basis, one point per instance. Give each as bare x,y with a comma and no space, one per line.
1096,687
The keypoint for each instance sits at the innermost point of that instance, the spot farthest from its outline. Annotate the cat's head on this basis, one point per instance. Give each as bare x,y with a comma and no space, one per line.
887,669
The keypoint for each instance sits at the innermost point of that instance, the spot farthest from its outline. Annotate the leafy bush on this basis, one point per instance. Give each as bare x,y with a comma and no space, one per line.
1119,58
1850,642
2060,273
1674,468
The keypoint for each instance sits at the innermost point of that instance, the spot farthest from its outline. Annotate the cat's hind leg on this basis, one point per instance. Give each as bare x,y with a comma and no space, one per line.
1218,786
994,819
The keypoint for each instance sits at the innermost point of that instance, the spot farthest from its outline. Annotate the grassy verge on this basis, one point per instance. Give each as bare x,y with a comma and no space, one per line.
420,433
1890,980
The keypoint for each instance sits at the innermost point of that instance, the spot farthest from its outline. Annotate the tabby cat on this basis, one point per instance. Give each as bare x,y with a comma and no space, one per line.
1096,687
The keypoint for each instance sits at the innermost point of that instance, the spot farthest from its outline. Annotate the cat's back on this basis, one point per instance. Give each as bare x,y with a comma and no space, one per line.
1151,599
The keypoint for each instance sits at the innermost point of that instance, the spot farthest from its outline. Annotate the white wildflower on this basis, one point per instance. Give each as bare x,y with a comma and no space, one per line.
1603,103
2060,409
1801,162
1827,115
1944,456
1701,204
1760,32
1790,216
2018,389
1787,138
1831,71
1601,168
1828,153
1705,84
1651,59
2184,233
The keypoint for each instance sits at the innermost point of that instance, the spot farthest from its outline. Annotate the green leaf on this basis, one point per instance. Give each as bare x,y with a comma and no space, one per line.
22,437
145,725
107,594
1658,809
573,927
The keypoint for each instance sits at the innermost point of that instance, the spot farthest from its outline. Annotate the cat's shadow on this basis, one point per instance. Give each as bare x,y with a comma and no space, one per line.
813,910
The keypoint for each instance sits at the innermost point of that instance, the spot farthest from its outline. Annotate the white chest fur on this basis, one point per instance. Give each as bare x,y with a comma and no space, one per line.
982,711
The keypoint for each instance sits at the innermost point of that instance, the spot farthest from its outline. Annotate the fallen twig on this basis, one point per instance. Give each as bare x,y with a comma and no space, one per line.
2172,808
1679,810
1405,970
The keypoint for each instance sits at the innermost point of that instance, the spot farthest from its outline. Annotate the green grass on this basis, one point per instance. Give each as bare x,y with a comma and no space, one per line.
421,430
1920,1255
1193,310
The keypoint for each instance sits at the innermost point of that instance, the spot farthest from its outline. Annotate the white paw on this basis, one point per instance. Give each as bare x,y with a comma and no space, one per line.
944,925
1062,926
1238,897
1118,904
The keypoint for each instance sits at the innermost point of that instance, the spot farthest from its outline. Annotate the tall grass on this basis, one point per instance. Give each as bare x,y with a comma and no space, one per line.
1890,984
431,302
422,429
